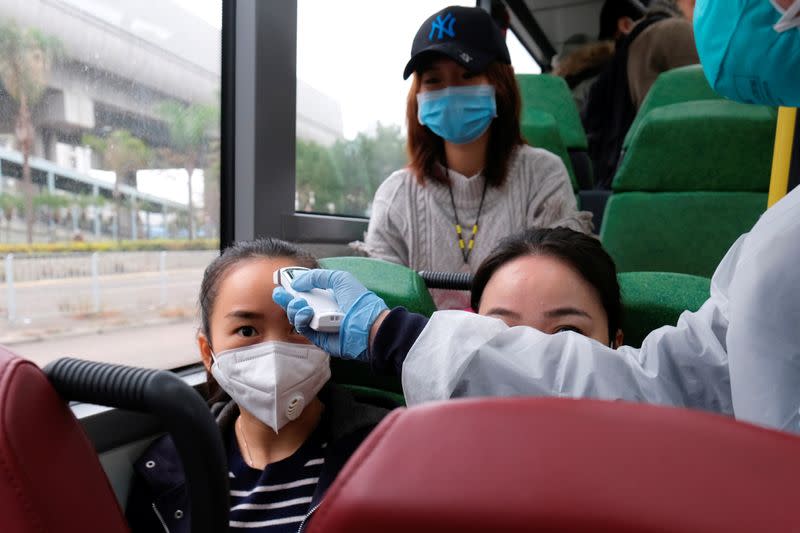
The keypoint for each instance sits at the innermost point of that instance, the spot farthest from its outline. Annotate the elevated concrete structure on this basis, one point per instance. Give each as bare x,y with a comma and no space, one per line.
122,59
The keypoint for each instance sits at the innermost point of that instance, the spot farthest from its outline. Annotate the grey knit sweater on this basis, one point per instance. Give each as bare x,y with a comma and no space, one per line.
414,225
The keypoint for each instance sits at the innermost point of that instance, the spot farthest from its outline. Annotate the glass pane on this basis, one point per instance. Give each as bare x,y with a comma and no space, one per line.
107,108
351,98
520,57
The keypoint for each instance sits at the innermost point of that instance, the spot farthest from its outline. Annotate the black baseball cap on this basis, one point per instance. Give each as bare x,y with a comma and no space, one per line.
467,35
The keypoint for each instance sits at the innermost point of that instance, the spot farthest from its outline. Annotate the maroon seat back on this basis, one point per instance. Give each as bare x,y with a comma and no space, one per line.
50,476
505,465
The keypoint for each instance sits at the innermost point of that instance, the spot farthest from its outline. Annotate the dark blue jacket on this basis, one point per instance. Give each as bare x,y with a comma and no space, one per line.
159,500
393,340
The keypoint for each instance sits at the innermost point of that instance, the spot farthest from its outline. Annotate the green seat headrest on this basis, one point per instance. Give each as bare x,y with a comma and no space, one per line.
712,145
654,299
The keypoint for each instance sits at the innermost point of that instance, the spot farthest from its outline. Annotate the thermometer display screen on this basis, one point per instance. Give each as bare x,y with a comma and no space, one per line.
292,273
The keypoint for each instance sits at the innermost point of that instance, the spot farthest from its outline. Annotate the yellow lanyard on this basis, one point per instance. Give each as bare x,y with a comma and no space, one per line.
466,249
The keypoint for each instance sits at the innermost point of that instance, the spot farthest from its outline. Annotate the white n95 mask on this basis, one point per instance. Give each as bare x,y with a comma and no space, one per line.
273,381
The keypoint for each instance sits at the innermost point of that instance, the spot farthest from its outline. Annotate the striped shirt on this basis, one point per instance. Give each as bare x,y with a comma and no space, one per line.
276,499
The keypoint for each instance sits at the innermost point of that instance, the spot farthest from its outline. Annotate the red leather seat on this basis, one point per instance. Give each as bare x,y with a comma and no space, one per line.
50,476
529,464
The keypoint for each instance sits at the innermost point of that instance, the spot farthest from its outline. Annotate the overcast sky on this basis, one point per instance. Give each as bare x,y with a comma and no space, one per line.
354,51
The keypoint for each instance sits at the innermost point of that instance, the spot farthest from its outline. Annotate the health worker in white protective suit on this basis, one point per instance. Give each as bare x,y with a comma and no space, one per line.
738,354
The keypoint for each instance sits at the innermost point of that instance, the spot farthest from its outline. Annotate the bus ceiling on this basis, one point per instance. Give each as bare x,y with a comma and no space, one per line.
542,26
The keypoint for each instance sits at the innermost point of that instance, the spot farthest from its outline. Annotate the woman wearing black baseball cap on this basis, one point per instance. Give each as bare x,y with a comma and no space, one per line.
471,179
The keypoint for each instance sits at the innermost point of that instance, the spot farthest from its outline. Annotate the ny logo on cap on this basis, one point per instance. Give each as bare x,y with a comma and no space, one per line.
444,25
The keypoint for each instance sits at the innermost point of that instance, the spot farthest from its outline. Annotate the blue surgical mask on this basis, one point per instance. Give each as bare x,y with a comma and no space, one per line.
458,114
750,49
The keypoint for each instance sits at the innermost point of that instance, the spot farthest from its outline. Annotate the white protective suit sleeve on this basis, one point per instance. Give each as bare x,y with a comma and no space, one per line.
750,323
764,333
462,354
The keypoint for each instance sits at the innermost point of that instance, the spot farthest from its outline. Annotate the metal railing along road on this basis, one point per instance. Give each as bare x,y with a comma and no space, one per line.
38,286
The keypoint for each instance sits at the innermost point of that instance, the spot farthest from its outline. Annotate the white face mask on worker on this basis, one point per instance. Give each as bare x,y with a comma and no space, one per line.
273,381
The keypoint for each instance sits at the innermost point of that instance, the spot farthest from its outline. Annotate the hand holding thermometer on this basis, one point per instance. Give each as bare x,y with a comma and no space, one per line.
327,315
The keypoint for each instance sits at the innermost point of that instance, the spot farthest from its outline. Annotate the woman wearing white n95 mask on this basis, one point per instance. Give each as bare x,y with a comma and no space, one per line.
286,430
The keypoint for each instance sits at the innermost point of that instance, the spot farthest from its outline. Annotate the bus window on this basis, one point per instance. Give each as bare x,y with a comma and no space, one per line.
351,98
109,176
521,59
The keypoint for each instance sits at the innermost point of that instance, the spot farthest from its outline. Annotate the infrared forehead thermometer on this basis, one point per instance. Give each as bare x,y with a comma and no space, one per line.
327,315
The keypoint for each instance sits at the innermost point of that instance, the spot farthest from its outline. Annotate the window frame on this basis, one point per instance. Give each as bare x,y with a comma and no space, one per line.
262,54
259,72
259,57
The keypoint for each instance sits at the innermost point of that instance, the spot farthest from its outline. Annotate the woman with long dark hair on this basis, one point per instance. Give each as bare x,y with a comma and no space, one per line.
471,179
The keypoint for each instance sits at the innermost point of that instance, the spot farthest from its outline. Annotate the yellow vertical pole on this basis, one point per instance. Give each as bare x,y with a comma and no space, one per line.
782,156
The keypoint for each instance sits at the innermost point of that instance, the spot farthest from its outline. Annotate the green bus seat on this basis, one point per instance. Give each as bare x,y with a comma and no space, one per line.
398,286
700,146
544,92
541,131
654,299
687,232
381,398
684,84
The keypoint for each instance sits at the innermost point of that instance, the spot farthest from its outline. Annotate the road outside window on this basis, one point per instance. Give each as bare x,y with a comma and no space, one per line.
109,176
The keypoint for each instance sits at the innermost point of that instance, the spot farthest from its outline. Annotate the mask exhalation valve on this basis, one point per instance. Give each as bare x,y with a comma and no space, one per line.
296,405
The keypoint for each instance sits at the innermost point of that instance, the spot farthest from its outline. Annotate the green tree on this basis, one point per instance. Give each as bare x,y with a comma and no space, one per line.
318,183
190,131
83,202
26,56
211,190
86,200
348,173
382,153
364,163
123,153
51,203
10,203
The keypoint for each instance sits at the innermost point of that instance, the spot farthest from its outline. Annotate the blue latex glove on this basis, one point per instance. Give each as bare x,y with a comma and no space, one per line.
361,308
